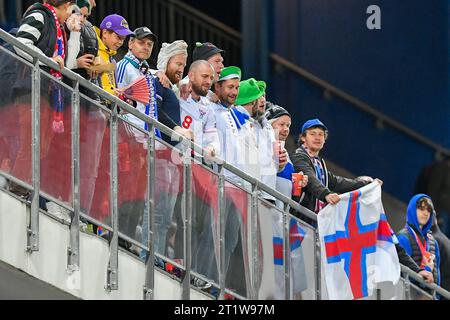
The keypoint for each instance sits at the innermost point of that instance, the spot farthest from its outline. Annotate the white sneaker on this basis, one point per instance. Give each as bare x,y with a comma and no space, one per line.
58,211
201,284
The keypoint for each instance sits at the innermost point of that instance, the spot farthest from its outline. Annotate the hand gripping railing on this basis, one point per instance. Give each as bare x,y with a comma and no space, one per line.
435,289
73,259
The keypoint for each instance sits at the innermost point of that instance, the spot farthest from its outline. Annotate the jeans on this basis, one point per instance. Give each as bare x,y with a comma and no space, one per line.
22,165
90,150
164,209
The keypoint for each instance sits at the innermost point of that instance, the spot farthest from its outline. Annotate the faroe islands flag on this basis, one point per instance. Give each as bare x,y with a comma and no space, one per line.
357,245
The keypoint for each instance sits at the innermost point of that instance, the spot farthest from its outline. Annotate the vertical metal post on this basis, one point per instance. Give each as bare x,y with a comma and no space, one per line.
317,265
407,288
74,247
378,293
222,224
287,252
434,294
112,272
254,236
187,204
33,228
151,173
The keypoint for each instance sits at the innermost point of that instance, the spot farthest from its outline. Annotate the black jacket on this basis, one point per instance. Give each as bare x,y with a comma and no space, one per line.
405,259
416,255
315,189
46,43
444,250
88,45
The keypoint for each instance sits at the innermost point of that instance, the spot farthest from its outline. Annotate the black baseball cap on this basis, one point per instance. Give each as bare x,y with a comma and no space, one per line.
274,111
144,32
203,51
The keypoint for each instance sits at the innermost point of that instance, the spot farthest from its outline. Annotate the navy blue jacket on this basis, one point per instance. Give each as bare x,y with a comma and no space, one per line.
407,240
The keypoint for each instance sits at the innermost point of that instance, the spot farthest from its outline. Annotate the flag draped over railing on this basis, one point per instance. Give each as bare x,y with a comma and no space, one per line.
357,246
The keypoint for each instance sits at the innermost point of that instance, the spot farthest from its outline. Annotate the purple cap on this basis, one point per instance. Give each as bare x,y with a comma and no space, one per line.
116,23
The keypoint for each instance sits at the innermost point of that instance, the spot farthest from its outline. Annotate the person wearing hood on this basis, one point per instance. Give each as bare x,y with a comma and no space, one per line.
416,237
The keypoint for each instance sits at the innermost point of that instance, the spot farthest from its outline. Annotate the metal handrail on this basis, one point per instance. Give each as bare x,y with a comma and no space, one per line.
432,286
381,117
175,136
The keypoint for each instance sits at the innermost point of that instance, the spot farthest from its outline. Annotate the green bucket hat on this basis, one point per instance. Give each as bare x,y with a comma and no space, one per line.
262,85
249,91
230,73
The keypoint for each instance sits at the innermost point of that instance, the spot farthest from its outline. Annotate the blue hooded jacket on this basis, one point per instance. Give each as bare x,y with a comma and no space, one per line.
411,221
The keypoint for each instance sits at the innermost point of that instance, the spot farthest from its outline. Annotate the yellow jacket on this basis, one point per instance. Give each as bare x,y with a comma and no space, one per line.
108,79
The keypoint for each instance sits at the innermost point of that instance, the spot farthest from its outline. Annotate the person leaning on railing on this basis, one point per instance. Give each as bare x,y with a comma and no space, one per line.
280,119
198,115
162,105
42,30
111,36
82,49
417,239
82,45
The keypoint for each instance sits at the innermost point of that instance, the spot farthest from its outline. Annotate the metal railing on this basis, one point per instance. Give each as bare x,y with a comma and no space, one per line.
113,268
